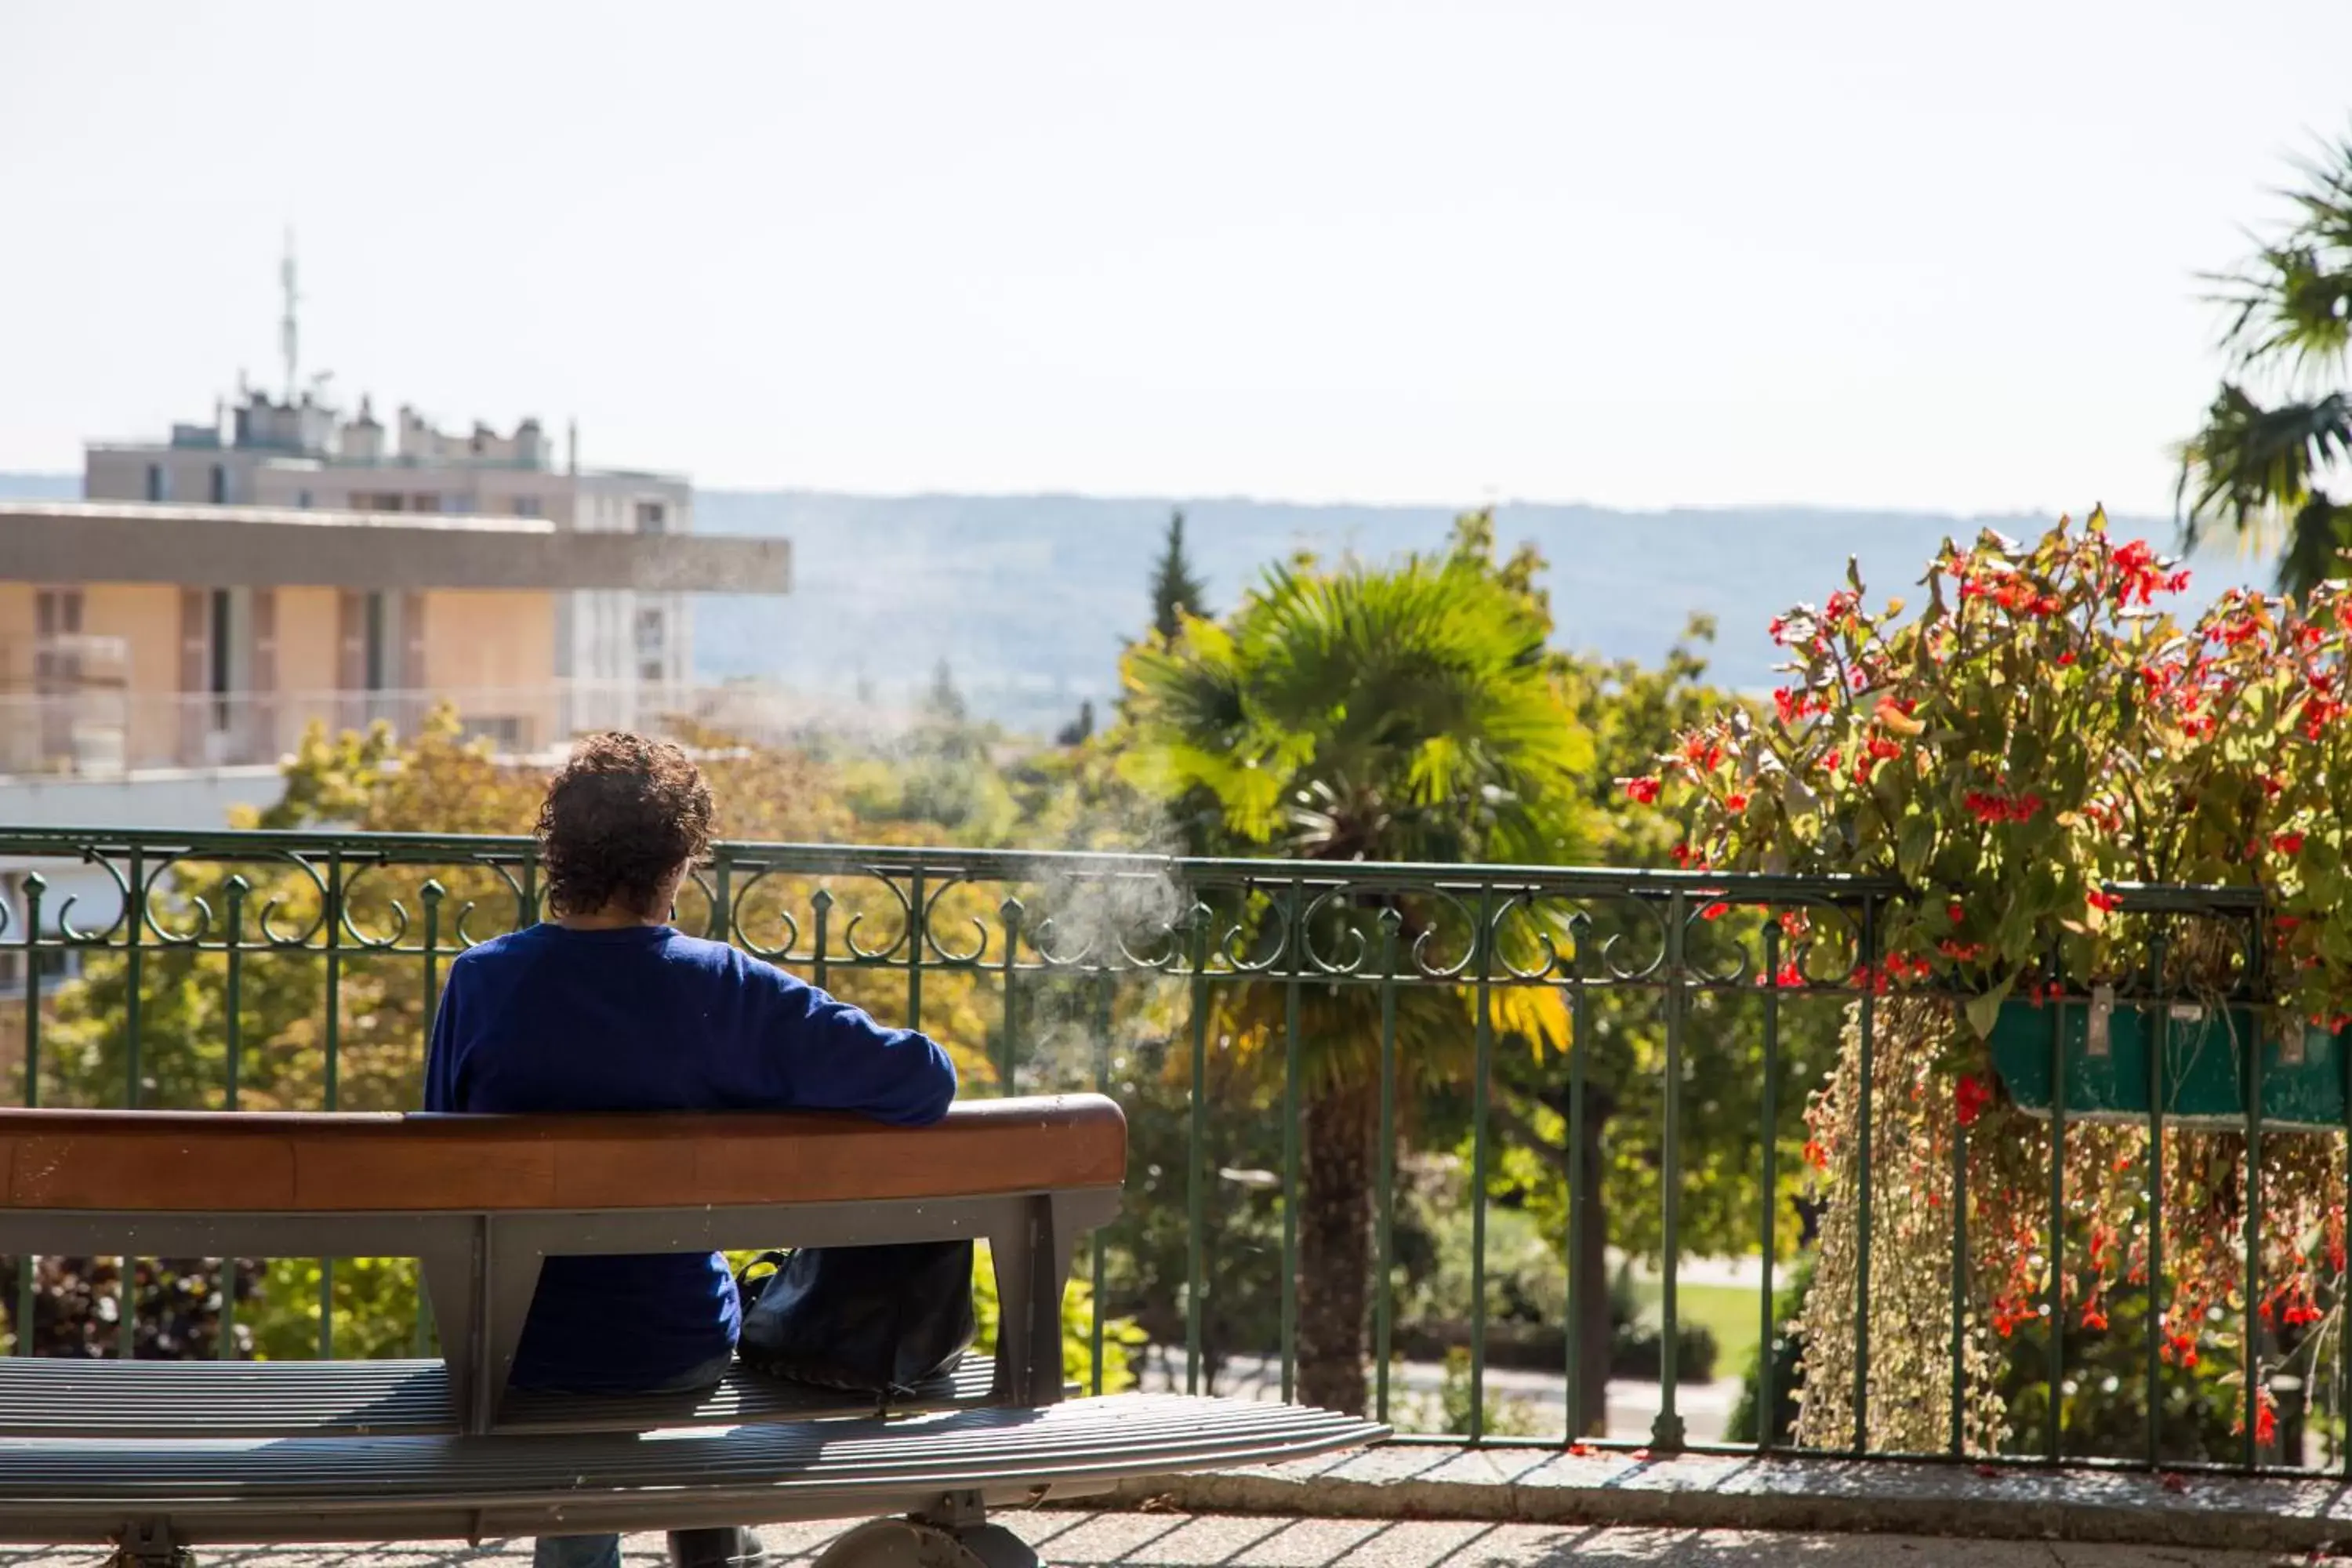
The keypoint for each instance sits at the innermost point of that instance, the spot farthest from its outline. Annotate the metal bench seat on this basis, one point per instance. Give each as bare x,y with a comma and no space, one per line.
293,1399
156,1456
372,1488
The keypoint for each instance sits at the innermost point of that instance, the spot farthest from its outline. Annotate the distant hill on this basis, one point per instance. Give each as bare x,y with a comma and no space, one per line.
1028,597
40,487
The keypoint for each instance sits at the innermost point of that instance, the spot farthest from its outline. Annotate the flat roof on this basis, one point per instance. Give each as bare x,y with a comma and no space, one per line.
399,461
248,546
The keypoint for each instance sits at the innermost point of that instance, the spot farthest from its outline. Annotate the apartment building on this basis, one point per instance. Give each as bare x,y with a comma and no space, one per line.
218,590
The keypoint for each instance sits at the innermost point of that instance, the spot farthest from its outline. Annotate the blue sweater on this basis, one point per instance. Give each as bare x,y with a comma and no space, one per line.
548,1019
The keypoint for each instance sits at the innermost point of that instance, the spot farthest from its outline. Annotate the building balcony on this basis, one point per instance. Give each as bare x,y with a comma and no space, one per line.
110,734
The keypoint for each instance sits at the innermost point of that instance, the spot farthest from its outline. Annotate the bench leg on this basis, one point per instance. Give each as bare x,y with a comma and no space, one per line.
150,1546
913,1543
1033,1271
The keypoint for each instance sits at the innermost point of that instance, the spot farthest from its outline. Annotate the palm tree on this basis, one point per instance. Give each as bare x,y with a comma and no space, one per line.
1355,713
2257,465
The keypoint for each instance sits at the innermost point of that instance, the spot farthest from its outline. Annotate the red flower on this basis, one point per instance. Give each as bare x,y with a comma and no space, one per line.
2105,901
2092,1318
1955,913
1702,753
1969,1098
1642,791
1734,801
1715,911
2287,842
2142,577
1788,978
2067,658
1816,1156
1988,807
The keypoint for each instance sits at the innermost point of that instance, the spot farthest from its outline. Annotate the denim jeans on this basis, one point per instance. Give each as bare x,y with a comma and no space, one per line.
605,1551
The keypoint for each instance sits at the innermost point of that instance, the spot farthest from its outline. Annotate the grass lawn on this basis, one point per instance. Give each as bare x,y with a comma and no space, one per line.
1728,1311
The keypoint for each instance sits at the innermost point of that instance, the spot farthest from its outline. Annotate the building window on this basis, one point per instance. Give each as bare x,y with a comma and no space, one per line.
221,646
154,481
220,485
652,517
374,651
526,506
303,500
426,503
57,612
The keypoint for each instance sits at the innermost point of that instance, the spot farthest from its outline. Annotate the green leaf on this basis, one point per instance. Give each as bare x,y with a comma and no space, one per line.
1918,842
1984,1011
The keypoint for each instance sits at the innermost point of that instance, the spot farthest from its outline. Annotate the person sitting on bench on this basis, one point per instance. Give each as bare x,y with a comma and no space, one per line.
607,1008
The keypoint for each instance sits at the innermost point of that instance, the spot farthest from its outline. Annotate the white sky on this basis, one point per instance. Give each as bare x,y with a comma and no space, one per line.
1713,251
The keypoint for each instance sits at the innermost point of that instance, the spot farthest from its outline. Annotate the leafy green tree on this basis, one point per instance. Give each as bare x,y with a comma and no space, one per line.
1361,712
2278,429
1176,590
943,704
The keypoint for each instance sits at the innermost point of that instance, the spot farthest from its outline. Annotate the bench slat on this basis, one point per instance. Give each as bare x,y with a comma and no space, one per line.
381,1487
160,1399
42,1397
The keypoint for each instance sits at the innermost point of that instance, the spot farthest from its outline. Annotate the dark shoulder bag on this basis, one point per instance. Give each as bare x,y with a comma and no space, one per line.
873,1319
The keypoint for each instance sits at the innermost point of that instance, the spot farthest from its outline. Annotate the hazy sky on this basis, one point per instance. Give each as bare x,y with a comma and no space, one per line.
1711,251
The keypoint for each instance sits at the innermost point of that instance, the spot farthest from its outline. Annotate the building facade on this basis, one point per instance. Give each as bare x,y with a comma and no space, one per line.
218,592
298,454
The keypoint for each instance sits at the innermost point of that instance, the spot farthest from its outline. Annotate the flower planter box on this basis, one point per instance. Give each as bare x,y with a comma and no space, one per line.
2106,1047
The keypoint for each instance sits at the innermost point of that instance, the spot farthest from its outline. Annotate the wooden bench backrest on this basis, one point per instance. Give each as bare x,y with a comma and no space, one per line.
219,1162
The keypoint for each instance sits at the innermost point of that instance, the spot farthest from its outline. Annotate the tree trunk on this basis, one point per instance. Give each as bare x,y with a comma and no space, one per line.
1589,1275
1334,1254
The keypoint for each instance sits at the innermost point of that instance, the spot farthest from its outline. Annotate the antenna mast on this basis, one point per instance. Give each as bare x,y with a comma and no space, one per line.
287,338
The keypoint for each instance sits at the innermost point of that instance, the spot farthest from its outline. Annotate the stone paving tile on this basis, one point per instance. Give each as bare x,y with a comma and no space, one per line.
1175,1541
1730,1492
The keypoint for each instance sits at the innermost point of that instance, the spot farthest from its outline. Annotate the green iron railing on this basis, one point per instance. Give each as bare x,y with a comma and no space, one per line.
1055,967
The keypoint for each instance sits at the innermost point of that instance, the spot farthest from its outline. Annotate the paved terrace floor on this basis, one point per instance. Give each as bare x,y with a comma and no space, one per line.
1179,1540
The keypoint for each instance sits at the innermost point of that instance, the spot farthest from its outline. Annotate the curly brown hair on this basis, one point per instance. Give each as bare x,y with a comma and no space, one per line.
623,815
